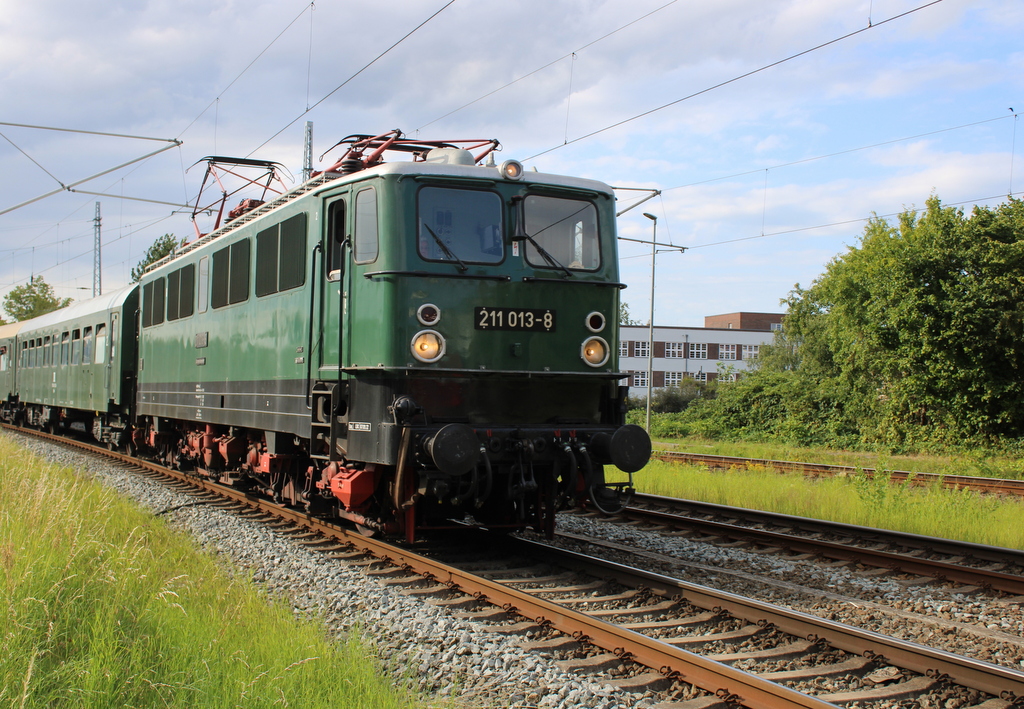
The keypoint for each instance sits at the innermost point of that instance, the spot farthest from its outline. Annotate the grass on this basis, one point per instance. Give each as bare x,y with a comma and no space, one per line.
977,463
104,605
932,510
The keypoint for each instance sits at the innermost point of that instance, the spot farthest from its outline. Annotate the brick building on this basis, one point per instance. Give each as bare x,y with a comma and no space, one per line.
725,346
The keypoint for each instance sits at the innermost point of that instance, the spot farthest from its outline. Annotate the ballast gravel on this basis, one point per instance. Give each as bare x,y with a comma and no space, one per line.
449,659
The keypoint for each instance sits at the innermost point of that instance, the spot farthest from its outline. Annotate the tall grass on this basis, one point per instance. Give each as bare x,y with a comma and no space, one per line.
858,499
979,463
105,606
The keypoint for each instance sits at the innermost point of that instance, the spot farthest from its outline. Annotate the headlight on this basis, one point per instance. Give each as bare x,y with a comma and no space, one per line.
428,346
511,169
428,314
595,322
595,352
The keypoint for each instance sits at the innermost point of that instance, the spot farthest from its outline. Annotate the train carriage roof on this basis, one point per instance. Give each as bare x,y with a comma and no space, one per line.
10,330
81,309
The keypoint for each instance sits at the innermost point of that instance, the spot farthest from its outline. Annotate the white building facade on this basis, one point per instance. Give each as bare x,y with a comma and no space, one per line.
701,353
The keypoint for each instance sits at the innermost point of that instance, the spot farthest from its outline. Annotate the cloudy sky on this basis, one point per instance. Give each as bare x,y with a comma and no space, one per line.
767,169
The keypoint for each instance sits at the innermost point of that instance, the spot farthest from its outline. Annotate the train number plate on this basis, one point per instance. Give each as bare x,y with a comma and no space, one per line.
521,319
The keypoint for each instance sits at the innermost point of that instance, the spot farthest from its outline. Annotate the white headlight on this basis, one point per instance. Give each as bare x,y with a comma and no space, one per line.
595,352
428,346
511,169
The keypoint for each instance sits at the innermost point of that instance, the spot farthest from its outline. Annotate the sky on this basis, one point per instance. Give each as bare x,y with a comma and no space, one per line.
773,129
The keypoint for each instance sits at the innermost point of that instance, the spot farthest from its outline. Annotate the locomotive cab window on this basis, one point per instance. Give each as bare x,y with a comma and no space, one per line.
335,239
566,229
281,256
366,246
460,225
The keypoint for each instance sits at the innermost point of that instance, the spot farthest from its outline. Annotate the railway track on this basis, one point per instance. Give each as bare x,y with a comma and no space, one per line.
644,631
974,566
957,482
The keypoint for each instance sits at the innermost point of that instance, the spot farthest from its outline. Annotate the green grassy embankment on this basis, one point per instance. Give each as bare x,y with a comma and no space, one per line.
857,499
105,605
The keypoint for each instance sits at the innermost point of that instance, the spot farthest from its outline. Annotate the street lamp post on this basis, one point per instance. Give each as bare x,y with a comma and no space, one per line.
650,325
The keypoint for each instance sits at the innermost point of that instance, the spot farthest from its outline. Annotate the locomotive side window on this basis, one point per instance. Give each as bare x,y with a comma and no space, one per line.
335,238
180,292
204,283
153,302
566,229
281,256
365,248
230,280
101,344
460,225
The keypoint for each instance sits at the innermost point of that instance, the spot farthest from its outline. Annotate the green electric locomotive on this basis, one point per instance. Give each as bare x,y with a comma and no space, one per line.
398,343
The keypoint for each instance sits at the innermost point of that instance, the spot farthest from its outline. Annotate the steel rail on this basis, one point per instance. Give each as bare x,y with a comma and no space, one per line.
953,547
976,674
899,563
957,482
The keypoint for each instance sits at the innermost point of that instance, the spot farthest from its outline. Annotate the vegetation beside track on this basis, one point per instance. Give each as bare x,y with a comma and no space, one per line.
104,605
931,511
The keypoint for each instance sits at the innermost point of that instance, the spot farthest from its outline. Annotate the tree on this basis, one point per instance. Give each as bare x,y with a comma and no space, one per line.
161,248
624,318
920,327
32,299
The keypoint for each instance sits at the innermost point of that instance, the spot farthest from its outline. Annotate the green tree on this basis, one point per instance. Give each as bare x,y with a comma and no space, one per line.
32,299
920,328
624,317
160,248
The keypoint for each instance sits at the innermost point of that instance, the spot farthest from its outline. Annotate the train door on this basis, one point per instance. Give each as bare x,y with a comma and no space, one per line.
334,291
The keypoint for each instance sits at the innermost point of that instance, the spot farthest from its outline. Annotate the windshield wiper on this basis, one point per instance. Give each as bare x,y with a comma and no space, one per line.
447,252
540,250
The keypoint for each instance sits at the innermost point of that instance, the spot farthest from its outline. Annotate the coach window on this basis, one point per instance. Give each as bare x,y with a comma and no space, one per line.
181,292
101,343
76,347
87,348
230,279
37,352
335,239
65,347
281,256
3,359
365,248
153,303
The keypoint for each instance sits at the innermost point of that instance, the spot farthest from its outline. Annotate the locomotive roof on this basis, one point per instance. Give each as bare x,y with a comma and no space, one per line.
80,309
329,180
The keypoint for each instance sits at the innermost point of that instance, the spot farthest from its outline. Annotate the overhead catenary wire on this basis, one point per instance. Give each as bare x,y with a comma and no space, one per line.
353,76
734,79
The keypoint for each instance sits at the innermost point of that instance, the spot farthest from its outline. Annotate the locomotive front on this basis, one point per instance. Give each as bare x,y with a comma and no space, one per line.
477,347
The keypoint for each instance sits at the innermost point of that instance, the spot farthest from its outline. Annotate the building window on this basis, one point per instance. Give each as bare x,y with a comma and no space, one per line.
751,351
727,352
729,377
640,379
673,379
624,348
776,326
675,350
698,350
641,349
701,376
